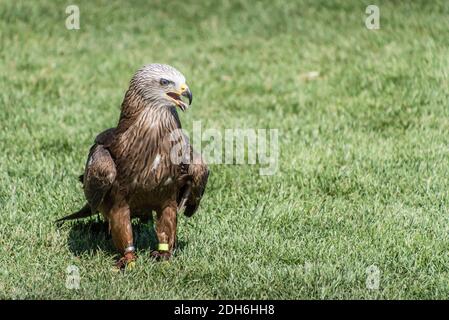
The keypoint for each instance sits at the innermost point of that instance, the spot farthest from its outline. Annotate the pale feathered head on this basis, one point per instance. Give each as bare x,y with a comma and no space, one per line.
161,85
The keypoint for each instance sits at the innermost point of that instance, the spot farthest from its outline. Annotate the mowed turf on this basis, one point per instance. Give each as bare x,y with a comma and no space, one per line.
363,165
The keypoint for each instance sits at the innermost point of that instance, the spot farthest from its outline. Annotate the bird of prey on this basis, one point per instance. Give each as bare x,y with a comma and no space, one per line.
139,167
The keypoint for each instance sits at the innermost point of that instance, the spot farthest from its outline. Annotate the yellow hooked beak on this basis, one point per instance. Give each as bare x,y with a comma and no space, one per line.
177,97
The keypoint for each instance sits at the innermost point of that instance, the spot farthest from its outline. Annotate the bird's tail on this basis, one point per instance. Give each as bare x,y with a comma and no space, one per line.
84,212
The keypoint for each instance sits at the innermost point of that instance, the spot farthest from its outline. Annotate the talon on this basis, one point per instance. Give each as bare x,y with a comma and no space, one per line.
161,255
128,261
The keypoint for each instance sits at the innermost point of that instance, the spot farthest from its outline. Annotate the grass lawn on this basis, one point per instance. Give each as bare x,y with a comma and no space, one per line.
363,165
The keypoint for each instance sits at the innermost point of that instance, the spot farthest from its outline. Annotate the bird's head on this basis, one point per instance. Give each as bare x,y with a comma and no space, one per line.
161,85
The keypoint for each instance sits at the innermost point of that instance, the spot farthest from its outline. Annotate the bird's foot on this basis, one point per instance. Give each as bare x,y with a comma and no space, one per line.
160,255
127,262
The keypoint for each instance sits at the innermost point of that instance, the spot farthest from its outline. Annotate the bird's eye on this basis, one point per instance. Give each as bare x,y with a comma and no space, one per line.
165,82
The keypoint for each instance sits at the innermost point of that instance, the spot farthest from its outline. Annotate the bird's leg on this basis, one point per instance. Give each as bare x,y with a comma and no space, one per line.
122,234
165,232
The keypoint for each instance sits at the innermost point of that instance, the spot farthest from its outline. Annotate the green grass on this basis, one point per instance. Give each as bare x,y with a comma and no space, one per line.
363,168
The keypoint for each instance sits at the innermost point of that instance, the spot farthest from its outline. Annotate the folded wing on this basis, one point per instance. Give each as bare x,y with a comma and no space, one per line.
100,171
194,188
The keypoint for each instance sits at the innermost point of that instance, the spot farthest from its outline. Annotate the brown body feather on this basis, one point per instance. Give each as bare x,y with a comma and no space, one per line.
129,172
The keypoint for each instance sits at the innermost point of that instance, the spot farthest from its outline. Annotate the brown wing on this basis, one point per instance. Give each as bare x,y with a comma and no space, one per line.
194,189
105,138
100,171
99,174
